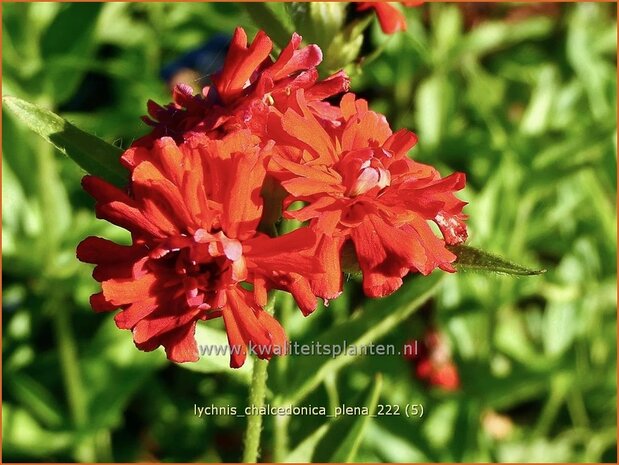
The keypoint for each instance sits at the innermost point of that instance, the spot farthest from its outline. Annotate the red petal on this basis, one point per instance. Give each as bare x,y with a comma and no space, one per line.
301,290
367,130
157,327
129,218
385,254
308,132
292,60
334,84
126,291
390,18
241,62
282,254
98,250
400,142
160,200
242,207
278,336
244,314
100,304
135,312
328,284
121,270
238,346
180,344
103,192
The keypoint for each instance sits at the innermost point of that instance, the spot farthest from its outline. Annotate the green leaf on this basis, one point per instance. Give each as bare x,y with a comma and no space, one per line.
53,199
470,258
395,448
379,317
37,398
71,34
539,114
272,18
344,48
339,440
434,102
112,355
13,199
23,435
304,451
217,362
493,35
94,155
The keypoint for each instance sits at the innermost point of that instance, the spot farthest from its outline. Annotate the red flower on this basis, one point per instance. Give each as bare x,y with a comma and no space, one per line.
242,92
360,186
433,363
193,212
391,19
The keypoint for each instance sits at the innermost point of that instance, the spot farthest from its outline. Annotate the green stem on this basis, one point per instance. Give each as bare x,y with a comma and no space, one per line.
257,392
69,364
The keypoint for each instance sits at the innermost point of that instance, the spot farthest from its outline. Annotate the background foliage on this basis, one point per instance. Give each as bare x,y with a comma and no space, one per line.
522,98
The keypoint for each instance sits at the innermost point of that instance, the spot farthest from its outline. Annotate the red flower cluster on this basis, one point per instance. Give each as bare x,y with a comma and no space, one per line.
245,90
209,181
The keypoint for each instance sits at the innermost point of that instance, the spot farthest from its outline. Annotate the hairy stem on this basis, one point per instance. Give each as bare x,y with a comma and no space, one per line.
257,393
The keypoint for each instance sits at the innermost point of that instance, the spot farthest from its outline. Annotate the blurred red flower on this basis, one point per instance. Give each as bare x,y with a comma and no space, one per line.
433,363
193,213
360,186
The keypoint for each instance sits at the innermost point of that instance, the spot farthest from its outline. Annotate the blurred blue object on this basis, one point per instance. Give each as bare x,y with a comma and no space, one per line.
204,60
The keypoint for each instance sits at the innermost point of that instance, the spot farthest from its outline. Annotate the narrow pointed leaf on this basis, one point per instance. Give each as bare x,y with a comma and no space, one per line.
470,258
304,451
338,441
94,155
341,443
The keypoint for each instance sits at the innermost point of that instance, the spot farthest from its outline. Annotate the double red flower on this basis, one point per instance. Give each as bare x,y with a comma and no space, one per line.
359,186
193,215
204,185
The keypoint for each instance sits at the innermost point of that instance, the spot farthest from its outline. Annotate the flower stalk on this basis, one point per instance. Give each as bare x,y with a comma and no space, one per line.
257,393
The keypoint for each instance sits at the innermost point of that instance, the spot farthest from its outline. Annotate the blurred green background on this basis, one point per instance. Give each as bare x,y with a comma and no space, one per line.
520,97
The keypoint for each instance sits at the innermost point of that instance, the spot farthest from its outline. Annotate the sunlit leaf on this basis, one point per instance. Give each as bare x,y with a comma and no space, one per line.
94,155
22,435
